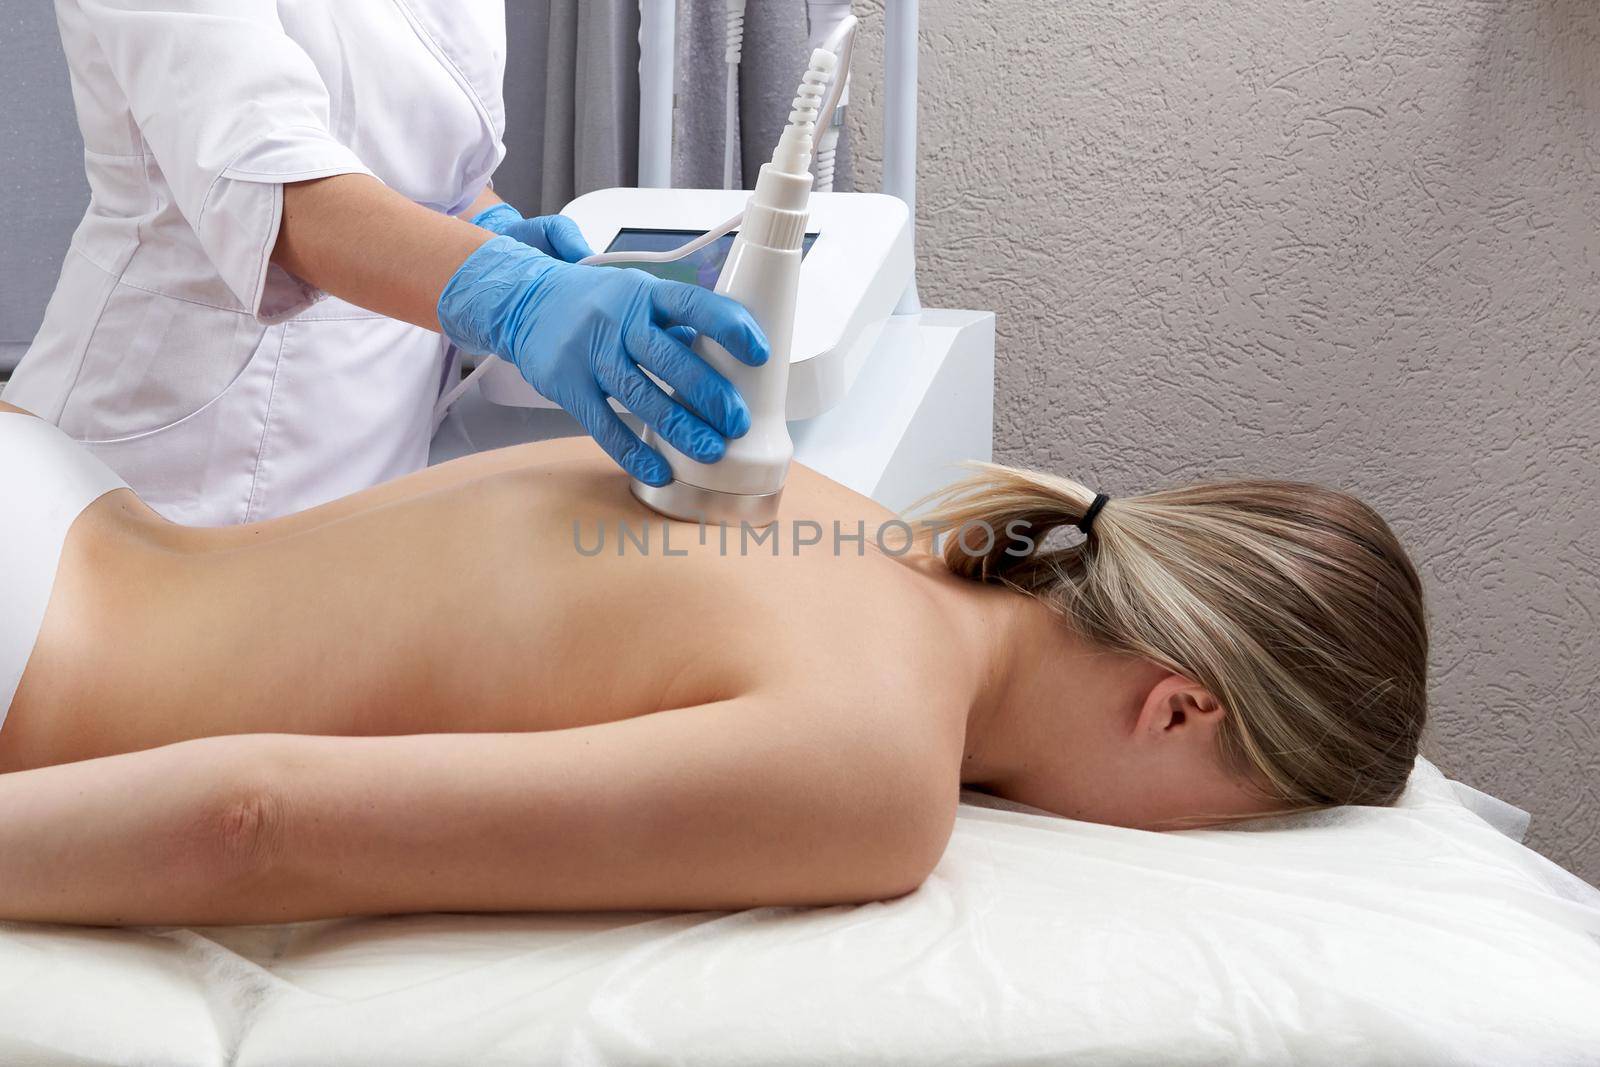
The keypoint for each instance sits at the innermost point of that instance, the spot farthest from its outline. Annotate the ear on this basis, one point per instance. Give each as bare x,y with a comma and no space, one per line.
1178,707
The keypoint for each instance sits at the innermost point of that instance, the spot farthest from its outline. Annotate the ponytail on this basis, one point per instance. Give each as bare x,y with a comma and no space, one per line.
1293,604
1021,509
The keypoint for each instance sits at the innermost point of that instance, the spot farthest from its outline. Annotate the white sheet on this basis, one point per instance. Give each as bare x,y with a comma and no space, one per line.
1413,935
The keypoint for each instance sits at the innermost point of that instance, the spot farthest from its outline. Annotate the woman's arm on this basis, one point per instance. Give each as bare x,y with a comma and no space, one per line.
353,236
485,200
728,805
580,335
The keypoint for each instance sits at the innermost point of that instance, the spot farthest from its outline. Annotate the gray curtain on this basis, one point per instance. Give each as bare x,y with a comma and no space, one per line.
572,95
42,186
572,100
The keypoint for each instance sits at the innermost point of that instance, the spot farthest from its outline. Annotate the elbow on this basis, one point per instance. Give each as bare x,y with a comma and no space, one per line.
914,861
242,832
900,844
890,884
227,859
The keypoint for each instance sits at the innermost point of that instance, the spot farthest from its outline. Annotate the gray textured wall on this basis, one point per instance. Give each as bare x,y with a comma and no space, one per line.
1354,241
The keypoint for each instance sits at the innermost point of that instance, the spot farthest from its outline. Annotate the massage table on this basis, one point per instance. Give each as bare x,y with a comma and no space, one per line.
1418,934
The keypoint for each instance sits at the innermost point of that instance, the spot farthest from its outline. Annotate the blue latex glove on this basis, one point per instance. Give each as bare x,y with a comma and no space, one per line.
554,235
581,334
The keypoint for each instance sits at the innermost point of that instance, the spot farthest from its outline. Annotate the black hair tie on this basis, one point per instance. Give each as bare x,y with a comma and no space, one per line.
1086,524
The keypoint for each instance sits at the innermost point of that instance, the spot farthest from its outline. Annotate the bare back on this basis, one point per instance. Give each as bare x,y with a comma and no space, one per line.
513,591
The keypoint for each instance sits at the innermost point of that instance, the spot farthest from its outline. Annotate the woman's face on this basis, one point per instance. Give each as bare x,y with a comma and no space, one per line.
1142,796
1151,762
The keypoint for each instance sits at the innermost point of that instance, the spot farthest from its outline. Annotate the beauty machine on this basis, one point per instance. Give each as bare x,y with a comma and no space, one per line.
864,385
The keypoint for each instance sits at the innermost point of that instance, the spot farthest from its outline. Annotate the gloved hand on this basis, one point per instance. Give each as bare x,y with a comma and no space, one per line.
581,334
554,235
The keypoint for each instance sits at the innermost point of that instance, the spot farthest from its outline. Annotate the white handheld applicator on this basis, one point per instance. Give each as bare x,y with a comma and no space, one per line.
762,272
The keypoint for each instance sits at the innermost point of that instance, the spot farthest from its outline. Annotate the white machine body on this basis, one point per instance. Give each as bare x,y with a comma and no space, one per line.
858,264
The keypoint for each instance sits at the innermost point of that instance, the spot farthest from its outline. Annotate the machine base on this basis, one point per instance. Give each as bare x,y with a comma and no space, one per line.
691,503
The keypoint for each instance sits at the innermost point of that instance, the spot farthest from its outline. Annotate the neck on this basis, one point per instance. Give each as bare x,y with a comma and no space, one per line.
1045,690
1007,635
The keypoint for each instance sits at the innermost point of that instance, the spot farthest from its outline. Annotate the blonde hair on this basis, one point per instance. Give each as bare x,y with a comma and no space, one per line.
1293,604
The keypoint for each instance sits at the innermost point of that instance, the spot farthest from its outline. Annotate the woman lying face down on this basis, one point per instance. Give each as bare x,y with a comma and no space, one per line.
372,707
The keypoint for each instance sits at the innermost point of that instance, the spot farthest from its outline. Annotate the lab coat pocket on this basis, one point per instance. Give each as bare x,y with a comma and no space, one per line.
153,360
199,468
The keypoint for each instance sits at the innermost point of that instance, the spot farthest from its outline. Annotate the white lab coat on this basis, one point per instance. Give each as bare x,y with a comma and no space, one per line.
220,387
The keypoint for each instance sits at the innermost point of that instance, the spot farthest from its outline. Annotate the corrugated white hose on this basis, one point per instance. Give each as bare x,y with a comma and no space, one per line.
730,122
795,144
832,27
841,43
827,149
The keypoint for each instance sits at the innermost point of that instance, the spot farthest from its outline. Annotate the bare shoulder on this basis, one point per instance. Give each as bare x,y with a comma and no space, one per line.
883,692
881,769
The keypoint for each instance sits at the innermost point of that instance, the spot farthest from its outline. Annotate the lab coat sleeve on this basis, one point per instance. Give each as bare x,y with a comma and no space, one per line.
231,108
